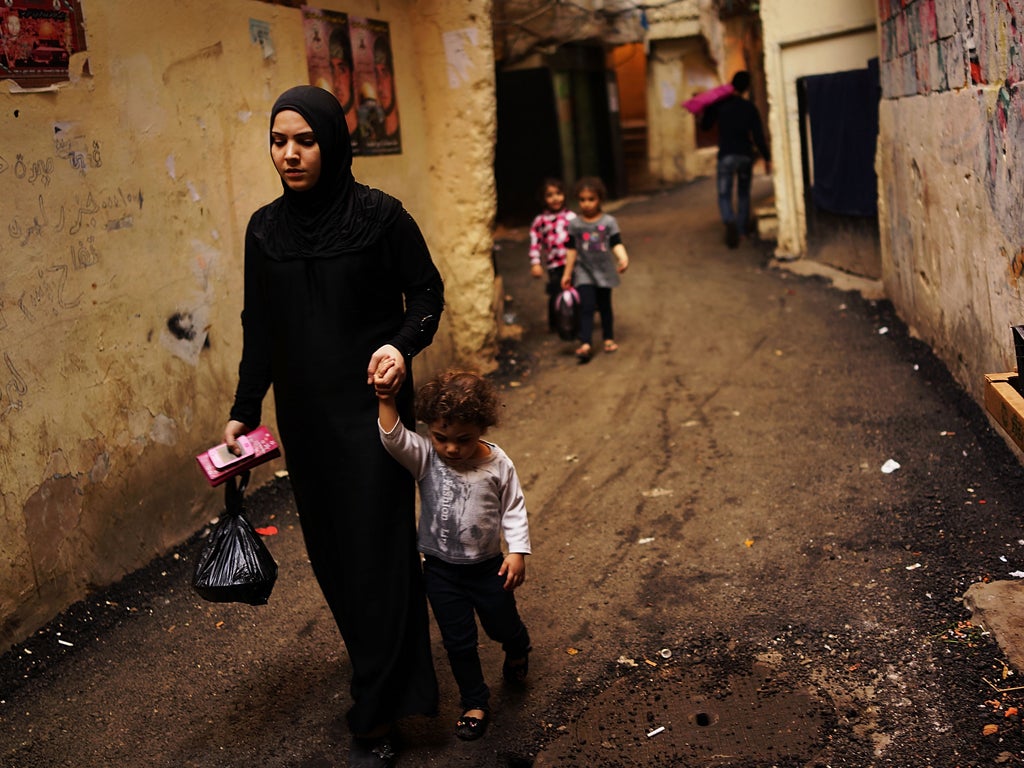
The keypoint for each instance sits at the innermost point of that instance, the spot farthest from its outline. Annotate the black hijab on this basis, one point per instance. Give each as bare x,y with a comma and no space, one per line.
337,215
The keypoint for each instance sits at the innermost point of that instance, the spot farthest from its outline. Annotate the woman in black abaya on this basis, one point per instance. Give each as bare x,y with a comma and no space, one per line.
337,277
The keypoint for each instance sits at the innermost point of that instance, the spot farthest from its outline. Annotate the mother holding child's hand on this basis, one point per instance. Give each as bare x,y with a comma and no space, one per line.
337,279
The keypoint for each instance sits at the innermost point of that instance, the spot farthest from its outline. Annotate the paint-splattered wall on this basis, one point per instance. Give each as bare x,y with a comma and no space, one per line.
950,150
923,47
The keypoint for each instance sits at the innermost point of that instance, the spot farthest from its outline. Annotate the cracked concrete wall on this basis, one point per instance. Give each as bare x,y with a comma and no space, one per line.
127,191
951,143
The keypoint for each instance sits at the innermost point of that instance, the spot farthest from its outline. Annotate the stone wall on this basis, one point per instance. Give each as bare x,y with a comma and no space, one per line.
951,143
126,194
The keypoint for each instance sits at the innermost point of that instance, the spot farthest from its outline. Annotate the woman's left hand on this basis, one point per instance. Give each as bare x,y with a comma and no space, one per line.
390,379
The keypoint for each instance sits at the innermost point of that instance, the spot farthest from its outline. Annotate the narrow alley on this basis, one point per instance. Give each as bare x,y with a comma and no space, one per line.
724,571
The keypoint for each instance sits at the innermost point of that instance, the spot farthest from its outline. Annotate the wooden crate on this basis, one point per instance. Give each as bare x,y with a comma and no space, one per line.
1006,405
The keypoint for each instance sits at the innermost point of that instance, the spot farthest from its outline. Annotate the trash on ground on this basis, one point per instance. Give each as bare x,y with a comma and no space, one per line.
883,330
749,543
267,530
665,653
646,540
656,492
572,457
627,662
1017,574
656,731
281,473
913,567
572,651
890,466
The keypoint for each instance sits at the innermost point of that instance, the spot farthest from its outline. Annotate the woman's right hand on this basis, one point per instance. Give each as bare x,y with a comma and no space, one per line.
231,433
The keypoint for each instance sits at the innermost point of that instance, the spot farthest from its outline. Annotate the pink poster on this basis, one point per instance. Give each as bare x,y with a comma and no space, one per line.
351,57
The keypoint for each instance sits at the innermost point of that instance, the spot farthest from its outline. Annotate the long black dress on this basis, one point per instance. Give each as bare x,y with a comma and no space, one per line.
312,319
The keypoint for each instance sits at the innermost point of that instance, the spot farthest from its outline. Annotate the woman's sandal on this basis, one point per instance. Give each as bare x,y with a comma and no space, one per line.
515,670
610,346
584,353
470,728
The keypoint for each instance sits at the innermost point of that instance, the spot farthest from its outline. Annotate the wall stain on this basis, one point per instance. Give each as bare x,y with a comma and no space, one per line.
182,326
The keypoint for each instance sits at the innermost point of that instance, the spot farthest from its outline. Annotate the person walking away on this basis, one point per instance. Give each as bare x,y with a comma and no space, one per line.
470,497
595,258
739,131
338,277
549,234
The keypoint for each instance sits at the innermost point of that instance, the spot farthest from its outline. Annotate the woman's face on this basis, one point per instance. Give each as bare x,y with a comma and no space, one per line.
295,151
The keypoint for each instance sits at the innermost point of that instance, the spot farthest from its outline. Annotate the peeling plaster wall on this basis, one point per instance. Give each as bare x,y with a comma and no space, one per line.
951,146
678,69
805,37
126,194
679,66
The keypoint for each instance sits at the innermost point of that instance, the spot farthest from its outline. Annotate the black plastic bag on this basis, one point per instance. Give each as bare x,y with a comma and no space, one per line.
567,314
235,565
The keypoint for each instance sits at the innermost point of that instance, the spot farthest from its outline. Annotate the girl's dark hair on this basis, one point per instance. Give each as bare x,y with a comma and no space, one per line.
594,184
458,396
550,181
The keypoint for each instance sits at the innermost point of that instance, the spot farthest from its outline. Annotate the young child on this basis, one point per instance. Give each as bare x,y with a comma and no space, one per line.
469,497
594,260
549,234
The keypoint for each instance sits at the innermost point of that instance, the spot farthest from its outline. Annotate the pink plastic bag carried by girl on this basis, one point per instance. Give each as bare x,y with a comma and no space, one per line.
567,314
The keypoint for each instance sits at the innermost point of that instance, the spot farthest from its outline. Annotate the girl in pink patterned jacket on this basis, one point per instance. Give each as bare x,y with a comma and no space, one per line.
549,235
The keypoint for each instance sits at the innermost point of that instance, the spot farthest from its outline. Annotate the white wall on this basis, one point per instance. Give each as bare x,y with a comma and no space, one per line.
805,37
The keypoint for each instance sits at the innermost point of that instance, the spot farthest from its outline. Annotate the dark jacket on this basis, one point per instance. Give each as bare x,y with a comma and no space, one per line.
739,127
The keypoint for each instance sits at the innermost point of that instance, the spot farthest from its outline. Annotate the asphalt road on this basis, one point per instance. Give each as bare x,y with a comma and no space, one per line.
723,573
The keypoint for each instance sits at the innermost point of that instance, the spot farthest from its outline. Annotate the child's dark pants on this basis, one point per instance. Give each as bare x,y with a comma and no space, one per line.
593,297
553,288
456,592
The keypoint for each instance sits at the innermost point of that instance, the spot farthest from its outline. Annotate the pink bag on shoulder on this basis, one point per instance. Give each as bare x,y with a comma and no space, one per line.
707,98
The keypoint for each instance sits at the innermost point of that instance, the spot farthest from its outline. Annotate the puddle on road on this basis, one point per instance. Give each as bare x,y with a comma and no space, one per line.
709,718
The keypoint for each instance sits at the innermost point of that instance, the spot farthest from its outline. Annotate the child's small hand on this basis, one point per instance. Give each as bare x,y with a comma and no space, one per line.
386,371
623,264
537,270
381,385
514,570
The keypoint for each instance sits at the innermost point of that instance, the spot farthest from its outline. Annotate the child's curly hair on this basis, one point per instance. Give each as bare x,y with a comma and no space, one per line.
458,396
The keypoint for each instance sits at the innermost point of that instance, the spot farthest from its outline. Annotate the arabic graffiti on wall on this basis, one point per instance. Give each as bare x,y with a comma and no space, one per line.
60,225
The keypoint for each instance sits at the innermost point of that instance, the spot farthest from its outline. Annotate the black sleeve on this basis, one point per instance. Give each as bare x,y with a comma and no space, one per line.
254,368
708,117
615,239
757,132
421,286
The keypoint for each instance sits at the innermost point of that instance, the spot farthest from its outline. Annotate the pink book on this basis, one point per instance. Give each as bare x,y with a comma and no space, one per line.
707,98
219,464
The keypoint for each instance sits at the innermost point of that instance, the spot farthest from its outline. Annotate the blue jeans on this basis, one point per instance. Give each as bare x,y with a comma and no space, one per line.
456,593
741,167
